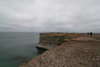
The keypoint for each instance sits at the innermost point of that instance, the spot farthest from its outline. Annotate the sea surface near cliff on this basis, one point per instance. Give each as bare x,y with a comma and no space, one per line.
17,48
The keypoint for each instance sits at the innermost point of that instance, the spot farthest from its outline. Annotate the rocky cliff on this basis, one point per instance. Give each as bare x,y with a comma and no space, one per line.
78,52
51,40
71,54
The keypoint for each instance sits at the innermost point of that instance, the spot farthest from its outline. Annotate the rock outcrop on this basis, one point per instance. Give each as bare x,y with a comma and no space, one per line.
51,40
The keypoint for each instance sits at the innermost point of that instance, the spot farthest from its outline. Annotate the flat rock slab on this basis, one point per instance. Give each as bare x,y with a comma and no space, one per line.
70,54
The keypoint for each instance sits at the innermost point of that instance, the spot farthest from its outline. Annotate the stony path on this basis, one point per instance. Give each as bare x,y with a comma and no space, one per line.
69,54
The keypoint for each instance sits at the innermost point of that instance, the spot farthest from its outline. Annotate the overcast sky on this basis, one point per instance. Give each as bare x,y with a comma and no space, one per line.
49,15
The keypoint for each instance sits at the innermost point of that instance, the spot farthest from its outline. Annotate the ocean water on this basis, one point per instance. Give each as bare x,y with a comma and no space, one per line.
17,48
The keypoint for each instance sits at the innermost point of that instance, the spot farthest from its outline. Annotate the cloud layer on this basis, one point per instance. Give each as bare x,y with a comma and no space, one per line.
49,15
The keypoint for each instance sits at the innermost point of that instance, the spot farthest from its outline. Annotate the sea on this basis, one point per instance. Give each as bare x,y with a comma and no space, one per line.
17,48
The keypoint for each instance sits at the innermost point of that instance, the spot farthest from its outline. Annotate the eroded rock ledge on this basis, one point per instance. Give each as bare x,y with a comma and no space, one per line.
51,40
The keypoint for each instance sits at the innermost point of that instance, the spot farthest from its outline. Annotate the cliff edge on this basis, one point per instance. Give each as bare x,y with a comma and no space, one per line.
72,54
79,52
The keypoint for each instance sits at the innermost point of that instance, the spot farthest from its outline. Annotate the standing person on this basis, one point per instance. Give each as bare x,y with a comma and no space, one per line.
91,33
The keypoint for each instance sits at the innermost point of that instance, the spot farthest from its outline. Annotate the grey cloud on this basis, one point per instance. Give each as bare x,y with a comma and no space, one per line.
50,15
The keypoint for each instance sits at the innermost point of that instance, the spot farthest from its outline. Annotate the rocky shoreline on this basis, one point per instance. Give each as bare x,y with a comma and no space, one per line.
80,52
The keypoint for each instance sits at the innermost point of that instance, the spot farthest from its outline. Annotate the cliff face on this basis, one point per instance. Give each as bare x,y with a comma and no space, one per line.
48,41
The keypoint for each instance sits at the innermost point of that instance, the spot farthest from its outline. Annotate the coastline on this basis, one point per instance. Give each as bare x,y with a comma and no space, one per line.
81,52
